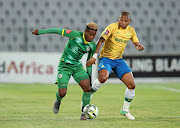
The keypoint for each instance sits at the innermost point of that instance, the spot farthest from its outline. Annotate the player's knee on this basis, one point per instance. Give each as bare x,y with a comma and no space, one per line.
131,85
87,89
103,79
62,93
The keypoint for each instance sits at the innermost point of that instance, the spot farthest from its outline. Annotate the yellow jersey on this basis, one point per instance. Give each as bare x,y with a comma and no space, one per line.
116,39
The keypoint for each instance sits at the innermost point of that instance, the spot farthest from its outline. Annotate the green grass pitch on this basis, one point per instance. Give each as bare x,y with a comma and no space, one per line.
30,106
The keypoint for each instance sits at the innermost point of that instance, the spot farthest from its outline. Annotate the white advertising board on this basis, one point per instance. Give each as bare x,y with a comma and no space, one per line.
27,67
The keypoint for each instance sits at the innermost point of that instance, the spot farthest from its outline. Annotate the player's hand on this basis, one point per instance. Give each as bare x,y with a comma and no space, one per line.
140,47
90,62
35,32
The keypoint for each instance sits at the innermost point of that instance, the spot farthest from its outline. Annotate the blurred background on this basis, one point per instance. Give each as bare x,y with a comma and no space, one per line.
157,24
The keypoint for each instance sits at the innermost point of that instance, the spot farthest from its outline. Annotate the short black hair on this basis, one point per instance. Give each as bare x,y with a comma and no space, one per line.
126,14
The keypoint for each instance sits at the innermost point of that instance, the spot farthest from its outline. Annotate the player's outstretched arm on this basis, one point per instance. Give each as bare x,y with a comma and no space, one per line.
139,46
47,31
93,59
60,31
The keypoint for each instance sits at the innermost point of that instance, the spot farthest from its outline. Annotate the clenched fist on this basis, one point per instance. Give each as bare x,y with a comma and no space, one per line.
140,47
35,32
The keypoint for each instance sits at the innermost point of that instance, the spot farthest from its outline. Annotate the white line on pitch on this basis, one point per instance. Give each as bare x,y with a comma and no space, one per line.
169,89
160,87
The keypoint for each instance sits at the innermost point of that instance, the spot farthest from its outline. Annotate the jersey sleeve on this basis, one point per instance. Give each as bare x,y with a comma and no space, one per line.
107,32
90,54
70,33
134,38
63,32
50,31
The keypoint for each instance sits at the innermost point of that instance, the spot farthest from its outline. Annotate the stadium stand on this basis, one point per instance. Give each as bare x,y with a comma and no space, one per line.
157,22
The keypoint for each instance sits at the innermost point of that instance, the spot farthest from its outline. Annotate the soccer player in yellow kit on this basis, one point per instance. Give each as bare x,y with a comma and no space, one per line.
116,36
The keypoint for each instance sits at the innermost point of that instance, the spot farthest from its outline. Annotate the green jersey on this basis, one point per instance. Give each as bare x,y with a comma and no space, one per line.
76,46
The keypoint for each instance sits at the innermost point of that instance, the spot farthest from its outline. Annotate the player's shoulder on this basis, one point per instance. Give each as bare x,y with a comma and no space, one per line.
93,43
114,25
79,33
130,28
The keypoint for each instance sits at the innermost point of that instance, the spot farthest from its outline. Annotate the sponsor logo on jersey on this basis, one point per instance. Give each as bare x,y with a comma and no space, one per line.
106,32
63,85
128,34
68,31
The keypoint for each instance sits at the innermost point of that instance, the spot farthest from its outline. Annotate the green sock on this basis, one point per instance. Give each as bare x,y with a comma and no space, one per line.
86,99
58,97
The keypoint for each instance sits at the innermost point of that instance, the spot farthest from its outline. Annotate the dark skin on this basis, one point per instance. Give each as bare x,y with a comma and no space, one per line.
85,84
127,79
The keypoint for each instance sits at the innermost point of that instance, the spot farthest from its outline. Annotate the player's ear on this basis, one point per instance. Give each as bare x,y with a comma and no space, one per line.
119,19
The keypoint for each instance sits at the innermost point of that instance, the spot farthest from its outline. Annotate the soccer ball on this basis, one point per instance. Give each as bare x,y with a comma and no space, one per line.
91,111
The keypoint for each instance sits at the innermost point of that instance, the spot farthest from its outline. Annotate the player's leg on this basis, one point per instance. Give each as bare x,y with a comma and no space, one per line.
85,85
103,76
124,73
59,96
62,81
82,78
105,67
128,80
86,97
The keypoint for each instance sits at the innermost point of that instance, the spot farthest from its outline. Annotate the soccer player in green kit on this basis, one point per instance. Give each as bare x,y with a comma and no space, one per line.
78,44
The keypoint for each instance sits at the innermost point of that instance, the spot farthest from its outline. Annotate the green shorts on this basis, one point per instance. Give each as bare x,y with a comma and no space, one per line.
66,70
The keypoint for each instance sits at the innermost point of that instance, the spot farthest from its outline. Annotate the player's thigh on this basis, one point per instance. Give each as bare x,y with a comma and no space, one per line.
105,67
63,79
121,69
105,63
82,78
80,75
125,74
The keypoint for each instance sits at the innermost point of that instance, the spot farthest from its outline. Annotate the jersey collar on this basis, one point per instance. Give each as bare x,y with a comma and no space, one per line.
122,28
86,42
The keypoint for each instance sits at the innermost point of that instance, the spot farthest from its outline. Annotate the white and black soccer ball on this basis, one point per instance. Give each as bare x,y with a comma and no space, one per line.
91,111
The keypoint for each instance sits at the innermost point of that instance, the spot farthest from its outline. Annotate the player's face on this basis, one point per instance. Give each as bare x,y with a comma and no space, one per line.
124,21
89,35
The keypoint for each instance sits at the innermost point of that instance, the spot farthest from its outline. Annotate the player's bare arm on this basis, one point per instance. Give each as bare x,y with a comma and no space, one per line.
139,46
93,59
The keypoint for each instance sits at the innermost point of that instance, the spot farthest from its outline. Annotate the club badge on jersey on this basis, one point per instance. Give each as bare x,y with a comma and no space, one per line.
60,75
106,32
